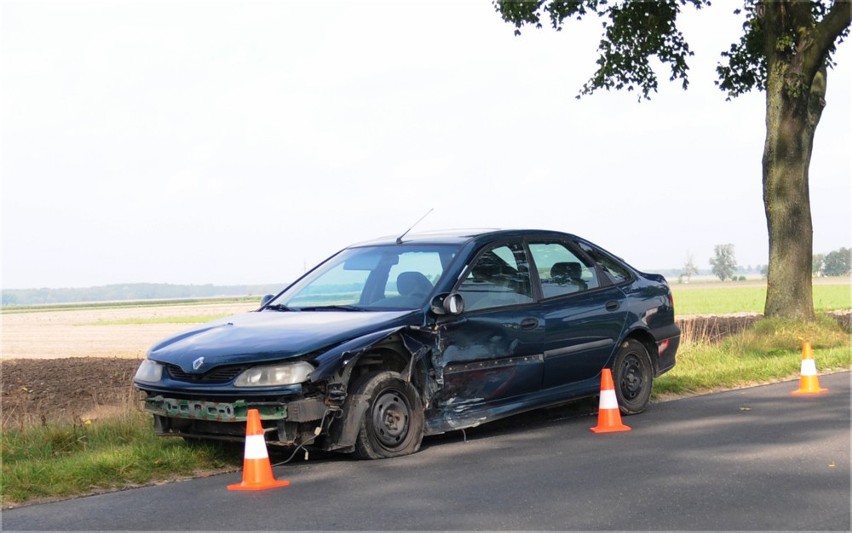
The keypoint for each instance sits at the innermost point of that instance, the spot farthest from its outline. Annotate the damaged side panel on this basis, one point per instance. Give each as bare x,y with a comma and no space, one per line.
465,375
481,360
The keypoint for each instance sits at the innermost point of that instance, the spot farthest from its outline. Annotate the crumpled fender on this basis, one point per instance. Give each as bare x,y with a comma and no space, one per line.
333,364
338,357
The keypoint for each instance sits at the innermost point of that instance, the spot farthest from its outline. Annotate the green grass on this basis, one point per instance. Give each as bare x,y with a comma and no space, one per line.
727,298
63,460
195,319
768,352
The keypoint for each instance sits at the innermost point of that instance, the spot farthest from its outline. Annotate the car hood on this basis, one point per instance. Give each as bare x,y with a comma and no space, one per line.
270,336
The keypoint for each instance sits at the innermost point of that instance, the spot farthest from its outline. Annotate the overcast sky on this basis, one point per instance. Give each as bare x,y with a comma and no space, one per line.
240,142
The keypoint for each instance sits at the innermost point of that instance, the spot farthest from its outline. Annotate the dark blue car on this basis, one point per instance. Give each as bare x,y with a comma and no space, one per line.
391,340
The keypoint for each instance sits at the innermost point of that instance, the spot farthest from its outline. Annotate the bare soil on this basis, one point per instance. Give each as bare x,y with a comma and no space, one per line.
71,389
77,365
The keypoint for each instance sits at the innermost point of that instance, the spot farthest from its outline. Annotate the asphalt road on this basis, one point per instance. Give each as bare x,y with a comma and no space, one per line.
753,459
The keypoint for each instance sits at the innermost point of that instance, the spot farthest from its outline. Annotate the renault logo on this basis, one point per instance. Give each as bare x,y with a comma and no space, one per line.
198,363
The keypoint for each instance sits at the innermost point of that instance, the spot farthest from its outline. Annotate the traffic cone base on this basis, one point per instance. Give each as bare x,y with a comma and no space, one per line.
609,415
809,385
809,382
257,471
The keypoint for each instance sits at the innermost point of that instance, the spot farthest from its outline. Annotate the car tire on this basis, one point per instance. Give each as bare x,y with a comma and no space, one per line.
633,377
393,423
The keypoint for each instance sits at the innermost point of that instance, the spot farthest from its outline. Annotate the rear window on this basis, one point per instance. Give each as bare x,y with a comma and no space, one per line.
615,271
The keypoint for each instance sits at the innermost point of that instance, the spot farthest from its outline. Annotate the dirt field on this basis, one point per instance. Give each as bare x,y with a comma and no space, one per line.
76,365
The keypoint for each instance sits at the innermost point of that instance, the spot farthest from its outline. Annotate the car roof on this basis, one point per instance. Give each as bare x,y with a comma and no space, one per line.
459,236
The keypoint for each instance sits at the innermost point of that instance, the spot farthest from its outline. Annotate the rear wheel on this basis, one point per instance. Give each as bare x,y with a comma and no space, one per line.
393,423
633,377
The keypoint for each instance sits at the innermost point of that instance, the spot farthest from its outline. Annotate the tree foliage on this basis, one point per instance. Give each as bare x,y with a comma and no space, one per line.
633,33
689,268
818,263
724,262
785,30
838,263
636,31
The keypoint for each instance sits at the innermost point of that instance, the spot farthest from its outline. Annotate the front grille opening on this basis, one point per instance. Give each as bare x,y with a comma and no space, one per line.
221,374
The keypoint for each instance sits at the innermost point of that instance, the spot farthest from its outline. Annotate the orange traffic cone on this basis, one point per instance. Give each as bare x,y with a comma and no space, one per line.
808,383
609,417
257,471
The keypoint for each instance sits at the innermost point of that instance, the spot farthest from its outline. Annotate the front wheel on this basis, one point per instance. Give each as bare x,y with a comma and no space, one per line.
393,423
633,376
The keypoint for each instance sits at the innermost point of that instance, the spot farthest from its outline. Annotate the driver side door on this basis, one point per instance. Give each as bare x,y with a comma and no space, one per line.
493,350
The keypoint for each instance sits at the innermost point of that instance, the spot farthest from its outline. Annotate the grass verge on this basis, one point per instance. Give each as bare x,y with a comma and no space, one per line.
769,351
57,461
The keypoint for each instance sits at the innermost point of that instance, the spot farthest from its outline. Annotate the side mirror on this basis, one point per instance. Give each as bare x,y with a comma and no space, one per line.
447,304
266,299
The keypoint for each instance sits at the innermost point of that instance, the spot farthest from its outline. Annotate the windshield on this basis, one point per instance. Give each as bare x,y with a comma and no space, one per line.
387,277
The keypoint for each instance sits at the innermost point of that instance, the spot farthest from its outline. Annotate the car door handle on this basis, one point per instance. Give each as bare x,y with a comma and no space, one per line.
612,305
529,323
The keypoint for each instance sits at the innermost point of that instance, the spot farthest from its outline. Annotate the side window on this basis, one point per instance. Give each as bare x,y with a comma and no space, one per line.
614,270
499,277
560,270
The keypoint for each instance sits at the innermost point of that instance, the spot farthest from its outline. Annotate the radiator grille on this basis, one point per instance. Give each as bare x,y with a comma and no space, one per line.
220,374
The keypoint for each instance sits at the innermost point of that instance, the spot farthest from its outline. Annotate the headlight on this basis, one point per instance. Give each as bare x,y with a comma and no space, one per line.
266,376
149,371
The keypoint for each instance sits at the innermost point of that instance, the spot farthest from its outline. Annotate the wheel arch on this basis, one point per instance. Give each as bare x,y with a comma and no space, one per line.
388,354
397,351
394,349
650,344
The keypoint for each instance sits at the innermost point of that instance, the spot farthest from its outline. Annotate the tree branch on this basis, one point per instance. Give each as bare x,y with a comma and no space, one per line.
835,22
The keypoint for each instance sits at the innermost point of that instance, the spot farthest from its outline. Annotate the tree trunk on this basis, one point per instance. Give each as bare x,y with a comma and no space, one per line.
793,110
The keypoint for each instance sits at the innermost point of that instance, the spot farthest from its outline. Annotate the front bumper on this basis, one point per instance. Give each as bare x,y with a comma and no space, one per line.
284,422
303,410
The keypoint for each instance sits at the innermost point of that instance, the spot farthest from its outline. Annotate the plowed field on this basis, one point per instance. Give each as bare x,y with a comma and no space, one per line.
76,365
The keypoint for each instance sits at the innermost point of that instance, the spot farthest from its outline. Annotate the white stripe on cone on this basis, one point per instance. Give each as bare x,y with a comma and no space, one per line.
809,367
255,447
608,400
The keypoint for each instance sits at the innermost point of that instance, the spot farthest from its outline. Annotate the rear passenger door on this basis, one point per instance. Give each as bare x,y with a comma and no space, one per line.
584,314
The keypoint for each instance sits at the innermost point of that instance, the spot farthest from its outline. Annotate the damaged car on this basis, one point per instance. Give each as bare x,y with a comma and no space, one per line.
392,340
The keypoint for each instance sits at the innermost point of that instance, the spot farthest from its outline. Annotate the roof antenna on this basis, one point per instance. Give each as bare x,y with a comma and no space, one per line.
399,239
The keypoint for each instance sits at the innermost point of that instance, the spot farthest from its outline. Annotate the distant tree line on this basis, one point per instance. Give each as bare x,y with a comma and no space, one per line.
130,291
835,263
